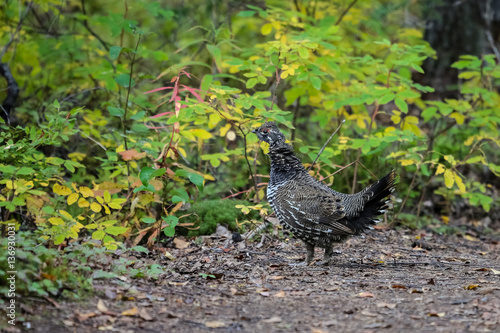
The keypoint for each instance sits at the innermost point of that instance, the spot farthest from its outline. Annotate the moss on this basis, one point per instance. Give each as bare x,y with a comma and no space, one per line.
207,214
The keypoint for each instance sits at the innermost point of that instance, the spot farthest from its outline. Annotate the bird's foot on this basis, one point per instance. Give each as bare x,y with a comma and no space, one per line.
300,264
323,262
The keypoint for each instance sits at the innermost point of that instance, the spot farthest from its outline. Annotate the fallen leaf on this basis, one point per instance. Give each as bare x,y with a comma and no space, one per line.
436,314
84,316
366,295
398,286
144,314
386,305
272,320
172,283
275,277
471,238
472,287
180,244
68,323
215,324
495,271
280,293
169,256
101,306
130,312
317,330
265,293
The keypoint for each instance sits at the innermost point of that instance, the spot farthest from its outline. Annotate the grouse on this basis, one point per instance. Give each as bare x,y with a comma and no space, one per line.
312,211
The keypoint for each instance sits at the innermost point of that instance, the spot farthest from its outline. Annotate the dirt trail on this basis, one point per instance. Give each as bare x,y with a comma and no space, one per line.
380,282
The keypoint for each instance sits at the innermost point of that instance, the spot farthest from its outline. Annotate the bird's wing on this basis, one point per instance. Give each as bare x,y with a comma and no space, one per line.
312,205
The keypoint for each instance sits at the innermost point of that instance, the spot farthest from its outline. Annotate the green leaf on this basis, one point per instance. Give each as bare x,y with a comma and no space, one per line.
303,53
251,83
69,166
114,52
138,115
139,248
57,105
401,104
124,80
98,234
8,169
145,175
386,98
172,222
115,231
118,112
25,171
148,220
316,82
217,54
157,173
197,180
246,13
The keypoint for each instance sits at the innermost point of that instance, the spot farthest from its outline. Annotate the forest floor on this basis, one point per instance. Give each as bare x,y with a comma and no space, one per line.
385,281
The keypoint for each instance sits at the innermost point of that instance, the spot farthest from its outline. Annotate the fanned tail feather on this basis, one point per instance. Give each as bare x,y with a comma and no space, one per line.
379,198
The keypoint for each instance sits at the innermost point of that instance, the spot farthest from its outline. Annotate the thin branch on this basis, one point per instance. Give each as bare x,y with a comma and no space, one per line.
18,28
89,29
324,146
345,167
248,162
345,12
245,150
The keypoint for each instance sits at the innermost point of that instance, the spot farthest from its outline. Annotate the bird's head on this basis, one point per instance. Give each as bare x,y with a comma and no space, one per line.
270,133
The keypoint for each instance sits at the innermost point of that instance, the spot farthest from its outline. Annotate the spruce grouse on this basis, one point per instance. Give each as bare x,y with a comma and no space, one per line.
311,210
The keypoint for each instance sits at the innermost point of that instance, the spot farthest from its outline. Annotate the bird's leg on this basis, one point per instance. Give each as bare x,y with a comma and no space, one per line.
328,255
309,256
310,253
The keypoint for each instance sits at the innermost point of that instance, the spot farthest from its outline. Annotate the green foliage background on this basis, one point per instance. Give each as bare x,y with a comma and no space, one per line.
130,111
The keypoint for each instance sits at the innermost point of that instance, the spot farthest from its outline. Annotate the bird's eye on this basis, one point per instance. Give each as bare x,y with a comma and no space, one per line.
264,130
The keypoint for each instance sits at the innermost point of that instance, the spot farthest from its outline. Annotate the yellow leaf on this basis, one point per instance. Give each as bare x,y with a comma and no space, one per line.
458,117
56,221
130,312
72,198
396,119
472,287
99,199
440,169
460,183
83,203
114,205
95,207
266,29
224,129
406,162
469,140
86,192
471,238
106,209
201,133
61,189
284,74
65,214
449,179
411,120
118,200
107,196
208,177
